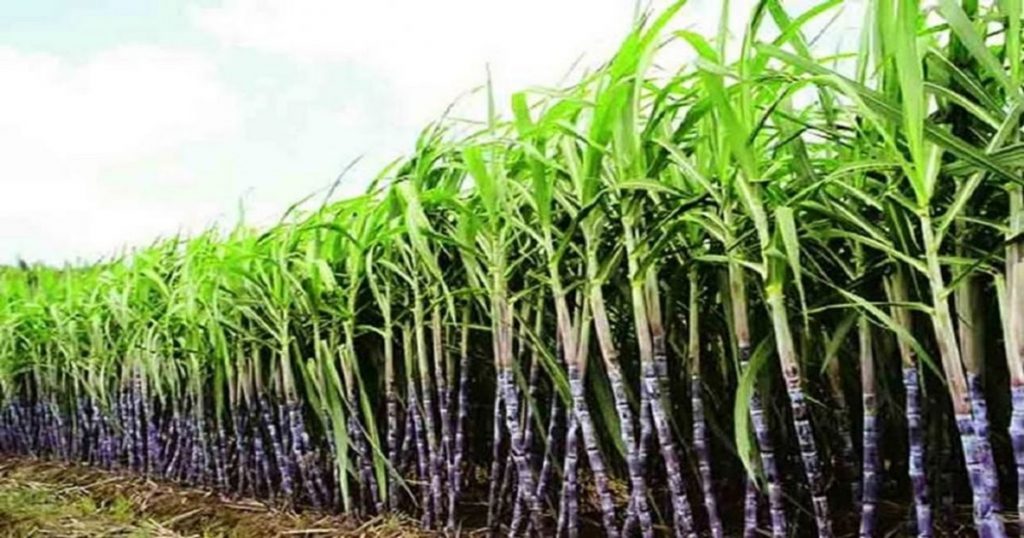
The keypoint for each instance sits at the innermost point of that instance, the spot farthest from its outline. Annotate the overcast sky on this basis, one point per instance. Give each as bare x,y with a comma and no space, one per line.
128,120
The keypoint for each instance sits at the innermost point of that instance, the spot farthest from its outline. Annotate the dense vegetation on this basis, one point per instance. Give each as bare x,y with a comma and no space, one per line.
668,282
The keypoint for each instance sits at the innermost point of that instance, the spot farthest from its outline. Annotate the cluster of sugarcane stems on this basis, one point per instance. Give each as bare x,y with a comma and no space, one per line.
600,293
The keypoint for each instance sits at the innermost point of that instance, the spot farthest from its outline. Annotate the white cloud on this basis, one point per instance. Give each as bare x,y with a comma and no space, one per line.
427,53
90,147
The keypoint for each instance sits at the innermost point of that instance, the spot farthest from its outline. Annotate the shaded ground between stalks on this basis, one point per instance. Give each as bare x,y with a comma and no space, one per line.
41,498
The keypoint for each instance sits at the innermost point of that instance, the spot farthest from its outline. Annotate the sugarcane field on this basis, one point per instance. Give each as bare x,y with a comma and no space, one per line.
719,283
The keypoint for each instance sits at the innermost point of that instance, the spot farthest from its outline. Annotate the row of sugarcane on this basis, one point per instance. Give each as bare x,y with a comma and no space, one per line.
581,313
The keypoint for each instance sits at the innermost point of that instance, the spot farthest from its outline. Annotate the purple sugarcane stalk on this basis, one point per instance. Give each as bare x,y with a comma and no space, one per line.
750,509
581,413
138,439
90,433
547,466
60,432
527,482
460,433
8,436
22,437
240,460
568,509
366,478
495,475
528,434
394,450
126,421
207,446
979,409
53,427
284,468
422,458
63,433
187,462
636,449
116,428
11,428
24,428
44,432
700,446
29,426
444,414
869,495
324,460
681,512
26,422
639,510
312,474
22,420
45,427
103,438
986,519
766,447
13,434
408,449
189,465
299,446
870,470
809,455
168,446
1017,440
9,432
154,459
13,431
178,450
220,462
34,426
284,429
771,471
260,453
328,460
646,427
196,471
78,432
5,435
429,430
47,424
915,433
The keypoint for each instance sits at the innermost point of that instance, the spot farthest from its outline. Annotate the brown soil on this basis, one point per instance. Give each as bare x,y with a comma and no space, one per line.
42,498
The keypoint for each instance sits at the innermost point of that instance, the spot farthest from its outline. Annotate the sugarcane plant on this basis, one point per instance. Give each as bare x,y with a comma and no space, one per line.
642,304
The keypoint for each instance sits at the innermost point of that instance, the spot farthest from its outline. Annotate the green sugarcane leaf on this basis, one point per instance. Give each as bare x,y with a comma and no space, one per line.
417,225
887,109
837,339
791,244
966,104
606,409
938,62
646,185
880,317
961,24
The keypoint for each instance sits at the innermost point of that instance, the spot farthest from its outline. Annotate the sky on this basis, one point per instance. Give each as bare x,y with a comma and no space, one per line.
123,121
